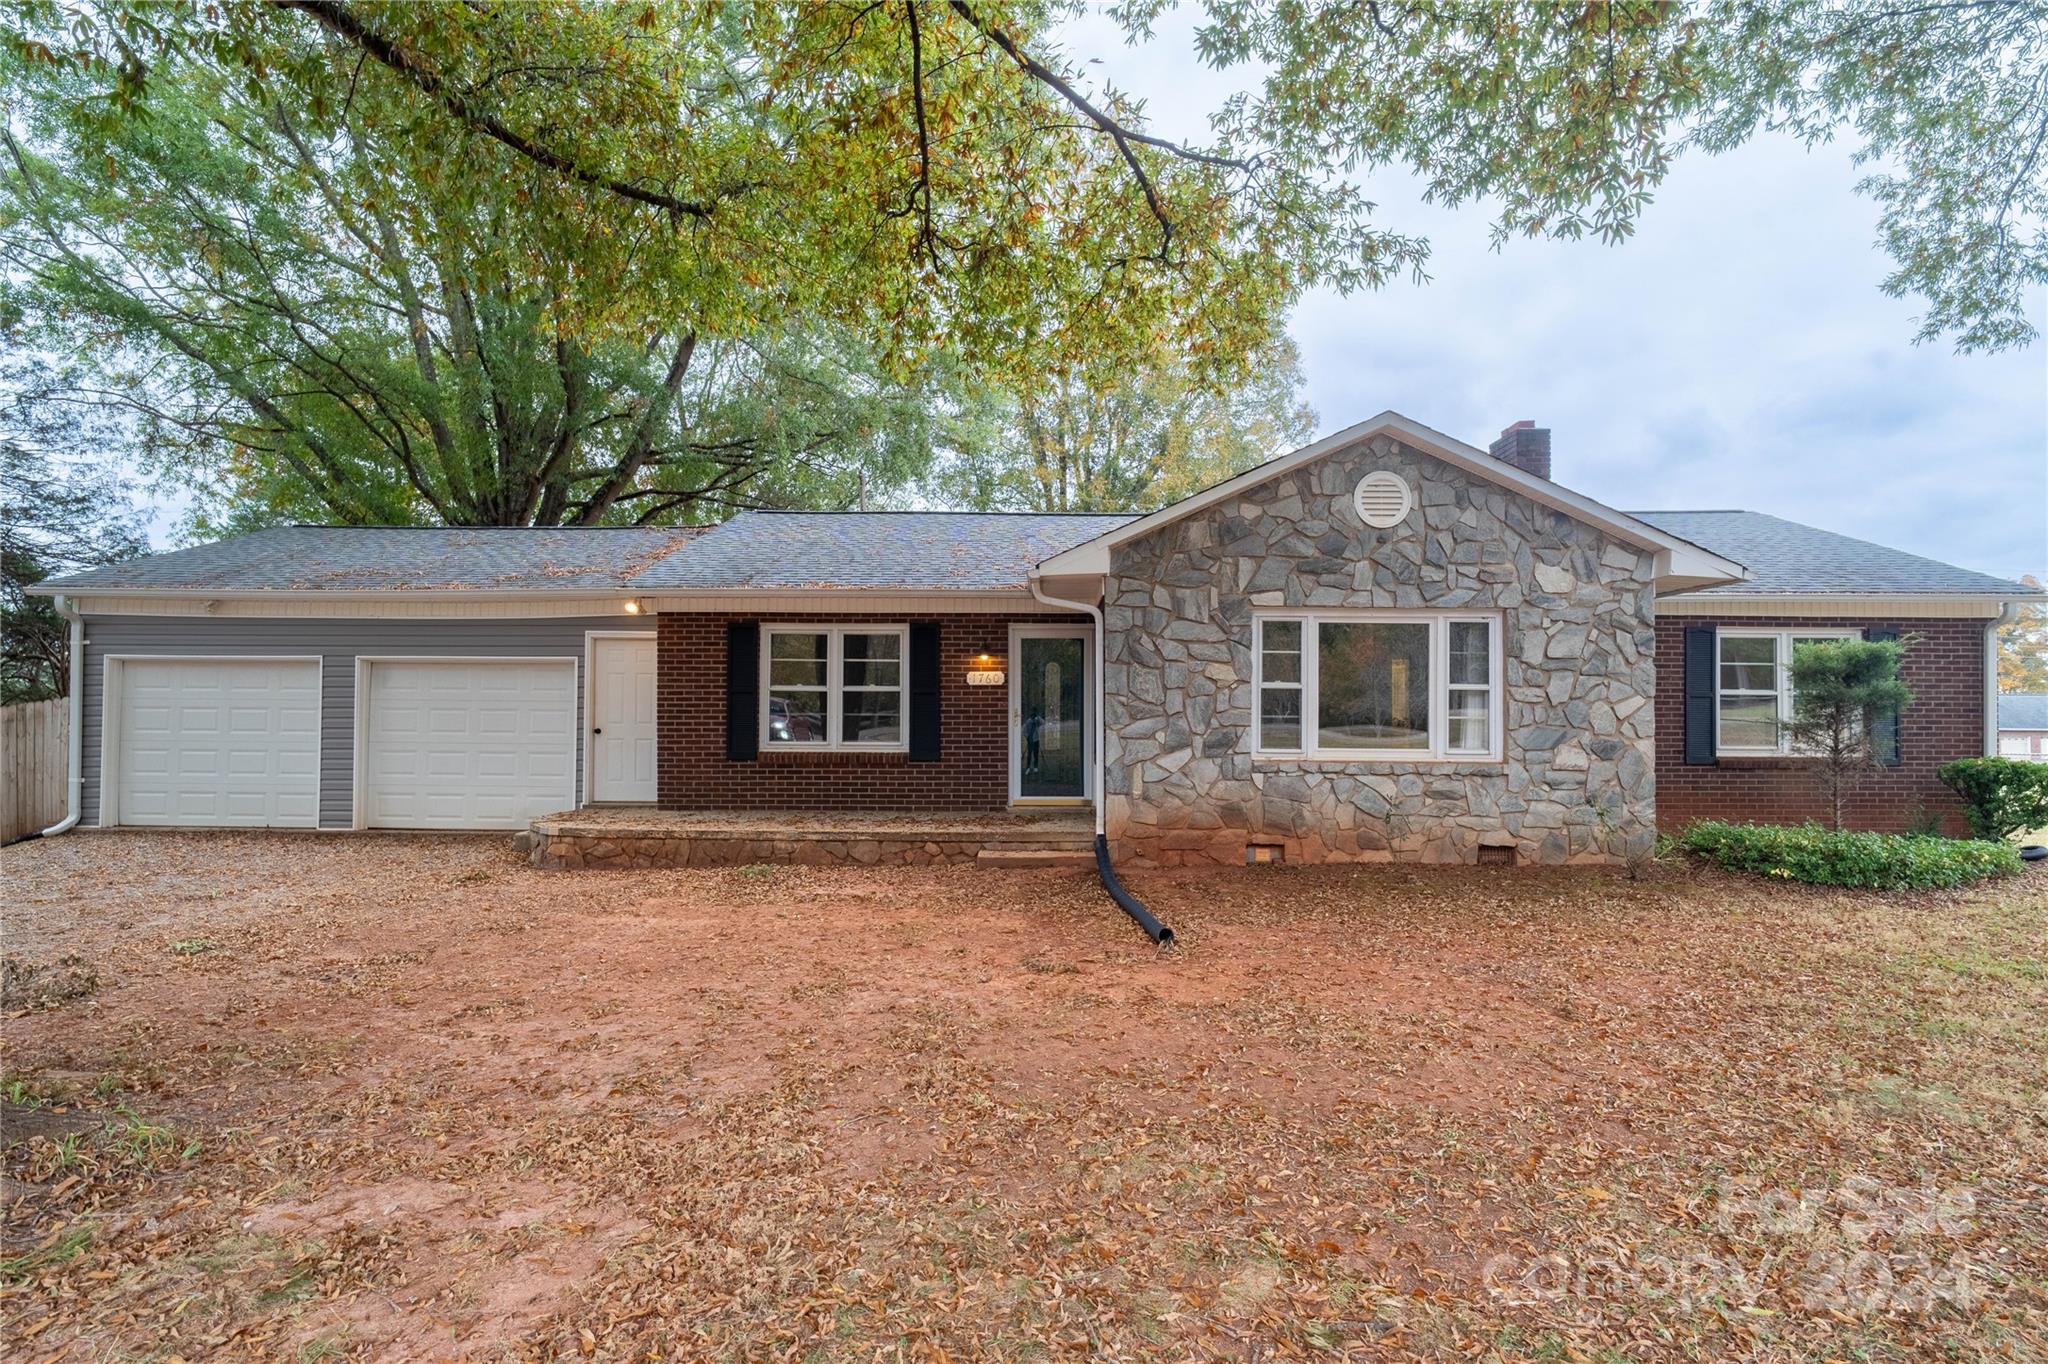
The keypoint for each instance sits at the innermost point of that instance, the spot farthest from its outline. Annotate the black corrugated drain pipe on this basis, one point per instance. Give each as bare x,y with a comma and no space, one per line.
1129,903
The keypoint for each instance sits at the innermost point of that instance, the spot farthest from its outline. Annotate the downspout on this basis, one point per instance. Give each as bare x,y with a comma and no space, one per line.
1129,903
2007,616
75,741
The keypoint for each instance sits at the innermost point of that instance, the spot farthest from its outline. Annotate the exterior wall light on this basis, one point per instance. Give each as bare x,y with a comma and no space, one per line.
632,606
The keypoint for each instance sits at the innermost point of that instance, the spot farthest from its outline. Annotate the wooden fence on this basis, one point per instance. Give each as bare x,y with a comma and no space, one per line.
35,765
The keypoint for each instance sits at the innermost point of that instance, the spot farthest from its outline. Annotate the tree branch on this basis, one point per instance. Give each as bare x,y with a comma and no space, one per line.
921,192
1123,137
642,440
338,20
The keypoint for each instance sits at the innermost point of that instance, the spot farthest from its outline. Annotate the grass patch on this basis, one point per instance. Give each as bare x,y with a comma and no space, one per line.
1983,965
61,1248
145,1141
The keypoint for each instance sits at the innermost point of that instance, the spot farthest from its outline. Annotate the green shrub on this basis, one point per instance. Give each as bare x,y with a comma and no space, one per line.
2002,796
1830,857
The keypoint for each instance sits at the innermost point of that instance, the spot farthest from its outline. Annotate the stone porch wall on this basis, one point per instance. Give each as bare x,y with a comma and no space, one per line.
1577,778
619,852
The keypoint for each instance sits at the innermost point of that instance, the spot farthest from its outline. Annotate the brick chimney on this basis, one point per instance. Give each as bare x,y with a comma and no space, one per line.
1526,446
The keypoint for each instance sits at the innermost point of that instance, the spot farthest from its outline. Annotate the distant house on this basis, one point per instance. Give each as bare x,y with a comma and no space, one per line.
1388,644
2023,725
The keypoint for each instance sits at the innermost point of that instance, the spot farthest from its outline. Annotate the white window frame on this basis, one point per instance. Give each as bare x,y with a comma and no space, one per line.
835,688
1438,751
1783,665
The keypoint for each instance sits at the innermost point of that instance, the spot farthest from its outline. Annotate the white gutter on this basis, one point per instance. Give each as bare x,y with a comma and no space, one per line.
76,739
2005,617
1101,721
657,596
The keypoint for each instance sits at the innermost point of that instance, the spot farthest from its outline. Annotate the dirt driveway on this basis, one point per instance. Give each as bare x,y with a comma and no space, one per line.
389,1097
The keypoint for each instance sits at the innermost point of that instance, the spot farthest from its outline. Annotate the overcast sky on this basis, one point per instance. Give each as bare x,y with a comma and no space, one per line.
1736,353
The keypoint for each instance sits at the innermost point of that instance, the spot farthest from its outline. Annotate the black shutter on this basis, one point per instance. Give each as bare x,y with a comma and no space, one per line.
742,691
1884,728
1699,695
924,691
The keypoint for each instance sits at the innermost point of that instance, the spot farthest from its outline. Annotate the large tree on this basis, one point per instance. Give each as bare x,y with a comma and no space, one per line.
1074,440
62,510
302,351
943,169
919,179
2023,646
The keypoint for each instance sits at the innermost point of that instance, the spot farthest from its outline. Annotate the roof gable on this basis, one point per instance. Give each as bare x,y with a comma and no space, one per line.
1680,563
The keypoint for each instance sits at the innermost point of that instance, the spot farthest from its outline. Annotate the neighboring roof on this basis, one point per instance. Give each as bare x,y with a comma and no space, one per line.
2023,710
396,559
1681,564
1786,558
906,551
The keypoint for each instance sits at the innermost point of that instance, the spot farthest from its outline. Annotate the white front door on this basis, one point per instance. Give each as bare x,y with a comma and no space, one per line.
231,743
622,718
467,744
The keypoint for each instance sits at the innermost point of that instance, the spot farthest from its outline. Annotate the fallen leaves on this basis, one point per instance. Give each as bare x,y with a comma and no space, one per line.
449,1105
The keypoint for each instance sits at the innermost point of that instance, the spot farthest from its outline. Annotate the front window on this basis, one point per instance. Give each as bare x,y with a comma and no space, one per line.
1754,706
1384,684
833,687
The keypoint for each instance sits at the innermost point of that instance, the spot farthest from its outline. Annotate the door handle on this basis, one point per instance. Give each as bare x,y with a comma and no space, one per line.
597,729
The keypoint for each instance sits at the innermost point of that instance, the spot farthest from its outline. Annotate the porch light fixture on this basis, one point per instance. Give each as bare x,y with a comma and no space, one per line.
632,606
986,672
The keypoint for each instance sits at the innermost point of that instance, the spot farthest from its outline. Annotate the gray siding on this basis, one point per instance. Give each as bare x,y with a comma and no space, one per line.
338,643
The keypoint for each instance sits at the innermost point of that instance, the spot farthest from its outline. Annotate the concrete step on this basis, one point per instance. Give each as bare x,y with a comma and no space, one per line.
1023,859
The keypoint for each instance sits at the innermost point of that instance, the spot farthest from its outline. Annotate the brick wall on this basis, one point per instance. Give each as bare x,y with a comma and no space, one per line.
972,774
1945,669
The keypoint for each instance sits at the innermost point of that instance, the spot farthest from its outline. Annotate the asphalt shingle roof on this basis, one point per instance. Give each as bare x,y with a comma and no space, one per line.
378,558
909,551
2023,710
880,551
1784,556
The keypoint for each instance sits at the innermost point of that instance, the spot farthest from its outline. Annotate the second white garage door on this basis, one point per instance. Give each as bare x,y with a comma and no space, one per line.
467,745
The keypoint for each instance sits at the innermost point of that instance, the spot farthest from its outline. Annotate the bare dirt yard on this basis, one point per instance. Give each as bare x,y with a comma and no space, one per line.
392,1097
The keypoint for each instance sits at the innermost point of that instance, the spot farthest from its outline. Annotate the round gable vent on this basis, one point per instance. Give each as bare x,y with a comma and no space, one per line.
1383,499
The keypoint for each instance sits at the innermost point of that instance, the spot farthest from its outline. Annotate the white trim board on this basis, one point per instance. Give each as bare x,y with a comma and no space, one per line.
543,605
1873,605
1680,563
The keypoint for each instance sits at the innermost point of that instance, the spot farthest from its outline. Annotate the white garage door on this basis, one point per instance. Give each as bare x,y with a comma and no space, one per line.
459,745
228,743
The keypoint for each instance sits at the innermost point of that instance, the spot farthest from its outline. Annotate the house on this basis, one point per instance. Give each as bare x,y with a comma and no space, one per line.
1389,644
2023,725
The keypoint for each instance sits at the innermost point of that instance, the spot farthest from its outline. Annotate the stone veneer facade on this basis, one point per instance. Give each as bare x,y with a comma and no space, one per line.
1577,778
